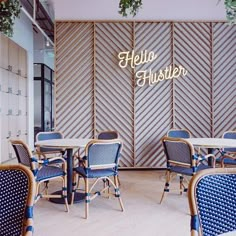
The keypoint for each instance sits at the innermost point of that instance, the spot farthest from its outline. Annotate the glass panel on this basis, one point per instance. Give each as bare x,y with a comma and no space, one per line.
37,104
37,70
47,106
47,73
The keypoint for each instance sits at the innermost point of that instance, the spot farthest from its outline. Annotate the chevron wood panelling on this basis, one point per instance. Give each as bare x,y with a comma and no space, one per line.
74,79
224,89
93,93
192,94
153,104
113,87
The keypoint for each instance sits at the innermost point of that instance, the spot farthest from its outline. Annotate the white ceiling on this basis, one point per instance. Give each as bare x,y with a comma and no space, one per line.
177,10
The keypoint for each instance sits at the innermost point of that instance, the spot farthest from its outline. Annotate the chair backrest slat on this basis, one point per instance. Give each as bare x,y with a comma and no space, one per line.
22,153
103,153
178,150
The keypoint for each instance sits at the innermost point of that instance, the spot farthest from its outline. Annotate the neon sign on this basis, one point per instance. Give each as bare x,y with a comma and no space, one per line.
147,76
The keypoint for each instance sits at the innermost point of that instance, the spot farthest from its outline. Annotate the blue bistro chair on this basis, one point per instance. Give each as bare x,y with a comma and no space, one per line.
17,187
108,134
228,155
212,202
178,133
100,163
47,152
42,170
181,159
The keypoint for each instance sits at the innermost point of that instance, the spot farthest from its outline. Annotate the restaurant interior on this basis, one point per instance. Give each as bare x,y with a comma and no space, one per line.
131,102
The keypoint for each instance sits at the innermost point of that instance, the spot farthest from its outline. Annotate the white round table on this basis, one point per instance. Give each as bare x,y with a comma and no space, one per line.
213,142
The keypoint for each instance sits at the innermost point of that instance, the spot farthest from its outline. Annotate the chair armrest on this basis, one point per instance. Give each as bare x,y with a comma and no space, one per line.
233,157
48,161
206,157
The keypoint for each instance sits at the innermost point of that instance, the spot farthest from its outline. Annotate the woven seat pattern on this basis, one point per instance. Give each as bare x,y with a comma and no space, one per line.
13,196
216,203
49,172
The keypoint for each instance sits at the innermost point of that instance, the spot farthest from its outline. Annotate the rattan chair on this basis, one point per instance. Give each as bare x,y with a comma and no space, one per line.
108,134
42,171
178,133
212,201
100,163
181,159
228,155
48,152
17,191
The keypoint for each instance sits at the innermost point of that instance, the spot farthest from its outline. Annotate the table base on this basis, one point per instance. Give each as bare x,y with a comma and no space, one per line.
79,197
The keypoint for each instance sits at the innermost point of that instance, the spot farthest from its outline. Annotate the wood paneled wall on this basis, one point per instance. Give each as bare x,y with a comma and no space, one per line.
93,93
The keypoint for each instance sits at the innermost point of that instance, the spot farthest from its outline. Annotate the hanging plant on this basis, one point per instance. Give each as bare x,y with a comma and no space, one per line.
9,10
230,6
129,7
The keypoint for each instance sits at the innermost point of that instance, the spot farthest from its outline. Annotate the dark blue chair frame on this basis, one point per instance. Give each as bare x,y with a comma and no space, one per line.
212,202
17,187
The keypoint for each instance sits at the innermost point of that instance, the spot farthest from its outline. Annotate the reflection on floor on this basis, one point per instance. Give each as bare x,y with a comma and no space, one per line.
143,216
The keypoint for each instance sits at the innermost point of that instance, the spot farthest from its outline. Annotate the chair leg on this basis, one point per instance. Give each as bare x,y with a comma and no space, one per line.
74,185
166,188
181,184
64,193
117,193
87,198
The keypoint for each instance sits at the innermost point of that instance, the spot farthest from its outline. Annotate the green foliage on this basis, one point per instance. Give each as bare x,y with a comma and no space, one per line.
230,6
129,7
9,10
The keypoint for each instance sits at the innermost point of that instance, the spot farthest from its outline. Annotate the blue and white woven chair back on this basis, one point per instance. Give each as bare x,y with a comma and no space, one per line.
230,135
22,154
179,133
41,136
103,153
212,201
17,189
109,134
178,150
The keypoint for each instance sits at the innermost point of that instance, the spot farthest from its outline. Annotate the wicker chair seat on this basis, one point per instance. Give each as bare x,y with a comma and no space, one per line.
95,173
212,202
49,172
188,171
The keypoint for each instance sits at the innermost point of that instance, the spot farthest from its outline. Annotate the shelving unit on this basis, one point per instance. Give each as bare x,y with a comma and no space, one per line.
13,94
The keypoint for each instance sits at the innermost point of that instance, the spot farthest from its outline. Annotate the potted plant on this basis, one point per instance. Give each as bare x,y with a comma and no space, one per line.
230,6
9,10
129,5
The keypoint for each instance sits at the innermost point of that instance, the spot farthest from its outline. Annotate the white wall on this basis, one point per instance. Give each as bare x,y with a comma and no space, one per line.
174,10
23,36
